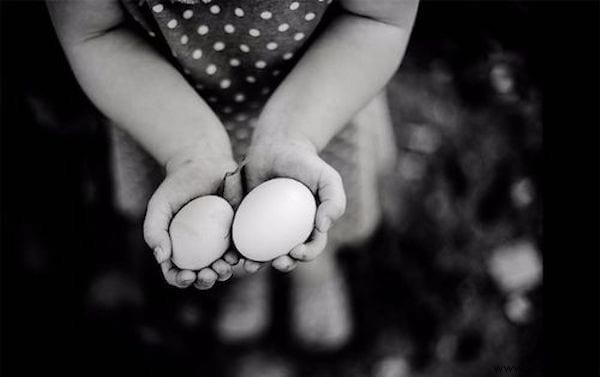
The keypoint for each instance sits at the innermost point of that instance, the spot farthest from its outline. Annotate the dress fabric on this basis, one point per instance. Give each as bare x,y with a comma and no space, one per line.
235,53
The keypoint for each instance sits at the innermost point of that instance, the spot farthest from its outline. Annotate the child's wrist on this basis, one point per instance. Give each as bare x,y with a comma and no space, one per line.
296,126
271,134
220,157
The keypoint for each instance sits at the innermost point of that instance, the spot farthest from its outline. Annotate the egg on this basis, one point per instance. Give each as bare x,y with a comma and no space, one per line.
200,232
272,219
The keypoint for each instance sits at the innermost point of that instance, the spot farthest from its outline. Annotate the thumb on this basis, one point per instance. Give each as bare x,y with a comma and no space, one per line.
332,199
156,225
233,190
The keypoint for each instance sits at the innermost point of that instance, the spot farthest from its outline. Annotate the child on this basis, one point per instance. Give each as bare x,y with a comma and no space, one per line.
280,82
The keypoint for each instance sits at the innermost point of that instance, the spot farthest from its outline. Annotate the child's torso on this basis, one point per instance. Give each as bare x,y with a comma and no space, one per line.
234,52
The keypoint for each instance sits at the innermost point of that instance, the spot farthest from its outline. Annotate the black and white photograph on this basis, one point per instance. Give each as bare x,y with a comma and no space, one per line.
273,188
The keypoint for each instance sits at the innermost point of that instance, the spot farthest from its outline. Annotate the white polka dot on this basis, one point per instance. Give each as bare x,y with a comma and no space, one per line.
225,83
254,32
152,34
184,39
202,29
283,27
227,110
276,72
239,97
298,36
229,28
158,8
239,12
287,56
271,45
197,54
215,9
211,69
260,64
266,15
244,48
251,79
265,90
172,24
241,117
219,46
295,5
206,1
310,16
234,62
187,14
242,133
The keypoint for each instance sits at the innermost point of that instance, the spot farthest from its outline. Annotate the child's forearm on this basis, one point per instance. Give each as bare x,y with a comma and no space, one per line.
142,93
345,68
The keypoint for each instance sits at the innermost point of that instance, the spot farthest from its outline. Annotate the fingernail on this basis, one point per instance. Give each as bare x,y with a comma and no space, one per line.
231,258
251,266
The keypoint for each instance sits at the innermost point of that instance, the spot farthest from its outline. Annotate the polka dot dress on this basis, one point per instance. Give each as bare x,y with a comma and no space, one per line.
234,52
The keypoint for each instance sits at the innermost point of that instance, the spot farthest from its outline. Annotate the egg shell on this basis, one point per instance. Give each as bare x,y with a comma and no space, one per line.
275,217
200,232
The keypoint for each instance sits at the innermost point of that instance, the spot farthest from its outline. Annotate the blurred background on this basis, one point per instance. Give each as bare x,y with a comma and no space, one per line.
449,285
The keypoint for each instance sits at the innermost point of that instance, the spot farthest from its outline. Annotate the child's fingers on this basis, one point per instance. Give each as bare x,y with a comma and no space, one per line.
284,263
332,198
232,257
170,273
252,266
185,278
310,250
206,279
223,269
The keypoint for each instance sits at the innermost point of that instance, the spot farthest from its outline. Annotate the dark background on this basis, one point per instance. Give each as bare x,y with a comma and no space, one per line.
76,300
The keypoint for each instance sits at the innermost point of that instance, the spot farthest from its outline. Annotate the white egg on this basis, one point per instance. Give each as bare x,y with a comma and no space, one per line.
275,217
200,232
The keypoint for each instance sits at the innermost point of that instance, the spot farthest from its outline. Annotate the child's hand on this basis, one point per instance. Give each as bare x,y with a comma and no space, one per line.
190,174
278,154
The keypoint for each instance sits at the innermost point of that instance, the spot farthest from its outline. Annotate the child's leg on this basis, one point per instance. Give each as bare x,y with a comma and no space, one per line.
135,176
321,311
321,306
245,313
